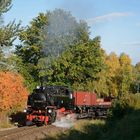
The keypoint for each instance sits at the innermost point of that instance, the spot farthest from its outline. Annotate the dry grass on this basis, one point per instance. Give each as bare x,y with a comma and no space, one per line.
4,121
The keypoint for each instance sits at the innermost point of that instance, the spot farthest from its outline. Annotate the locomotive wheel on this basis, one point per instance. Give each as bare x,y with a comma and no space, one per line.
52,117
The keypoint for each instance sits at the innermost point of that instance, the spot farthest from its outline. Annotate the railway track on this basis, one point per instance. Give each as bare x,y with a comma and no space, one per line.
20,133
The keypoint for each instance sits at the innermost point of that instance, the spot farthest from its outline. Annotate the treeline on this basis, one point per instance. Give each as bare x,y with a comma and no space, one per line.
56,48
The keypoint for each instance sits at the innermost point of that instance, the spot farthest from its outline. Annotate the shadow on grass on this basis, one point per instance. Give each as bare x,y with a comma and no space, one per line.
126,128
85,132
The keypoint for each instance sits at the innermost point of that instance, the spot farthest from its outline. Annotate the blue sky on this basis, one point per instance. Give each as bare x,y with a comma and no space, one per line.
116,21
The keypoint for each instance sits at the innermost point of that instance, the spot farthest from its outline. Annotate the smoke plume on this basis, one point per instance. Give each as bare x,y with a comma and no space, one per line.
60,33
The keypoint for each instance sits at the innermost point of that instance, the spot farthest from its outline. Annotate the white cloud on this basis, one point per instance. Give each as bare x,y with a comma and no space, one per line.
108,17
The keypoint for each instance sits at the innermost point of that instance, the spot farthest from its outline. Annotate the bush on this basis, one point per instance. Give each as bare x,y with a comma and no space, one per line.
13,94
124,105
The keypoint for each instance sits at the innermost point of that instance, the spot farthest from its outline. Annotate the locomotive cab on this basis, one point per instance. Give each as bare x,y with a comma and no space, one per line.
61,96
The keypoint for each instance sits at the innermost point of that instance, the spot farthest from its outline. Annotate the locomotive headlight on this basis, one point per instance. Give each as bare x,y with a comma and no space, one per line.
71,96
49,111
25,110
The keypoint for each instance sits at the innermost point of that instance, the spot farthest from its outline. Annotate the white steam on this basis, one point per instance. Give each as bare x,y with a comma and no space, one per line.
66,121
59,33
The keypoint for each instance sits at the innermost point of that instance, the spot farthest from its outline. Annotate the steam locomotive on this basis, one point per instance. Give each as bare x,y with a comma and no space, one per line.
45,104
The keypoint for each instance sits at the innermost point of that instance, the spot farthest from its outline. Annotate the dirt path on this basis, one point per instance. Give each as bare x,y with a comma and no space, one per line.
29,133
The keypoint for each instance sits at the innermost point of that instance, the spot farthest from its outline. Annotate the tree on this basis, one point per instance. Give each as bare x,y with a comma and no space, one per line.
113,67
9,32
30,50
5,5
78,66
47,37
13,94
118,74
125,74
100,85
135,86
15,64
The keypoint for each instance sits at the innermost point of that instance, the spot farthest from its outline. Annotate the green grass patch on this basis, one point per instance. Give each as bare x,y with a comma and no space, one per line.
123,127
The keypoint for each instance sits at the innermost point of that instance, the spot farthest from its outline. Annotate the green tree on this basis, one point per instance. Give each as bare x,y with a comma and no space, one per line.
30,51
9,32
47,37
125,74
78,66
135,85
5,5
16,64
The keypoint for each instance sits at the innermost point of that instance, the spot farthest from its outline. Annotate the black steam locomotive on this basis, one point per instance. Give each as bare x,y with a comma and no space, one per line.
44,103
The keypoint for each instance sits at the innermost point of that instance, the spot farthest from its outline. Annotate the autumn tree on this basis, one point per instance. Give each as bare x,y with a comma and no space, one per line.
113,67
125,74
118,74
13,94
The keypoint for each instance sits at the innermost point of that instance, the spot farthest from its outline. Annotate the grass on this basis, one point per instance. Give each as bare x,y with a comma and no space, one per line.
4,121
82,130
126,127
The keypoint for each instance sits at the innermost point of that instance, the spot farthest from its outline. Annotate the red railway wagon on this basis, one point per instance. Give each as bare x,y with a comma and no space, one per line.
84,98
87,105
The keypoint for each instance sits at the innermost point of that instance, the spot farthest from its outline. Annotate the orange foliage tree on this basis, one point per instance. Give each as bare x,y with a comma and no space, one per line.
13,94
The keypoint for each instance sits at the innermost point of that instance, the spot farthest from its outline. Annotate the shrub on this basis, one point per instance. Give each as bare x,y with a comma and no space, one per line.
125,105
13,94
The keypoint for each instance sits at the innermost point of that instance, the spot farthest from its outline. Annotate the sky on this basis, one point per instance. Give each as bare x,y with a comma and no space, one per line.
117,22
